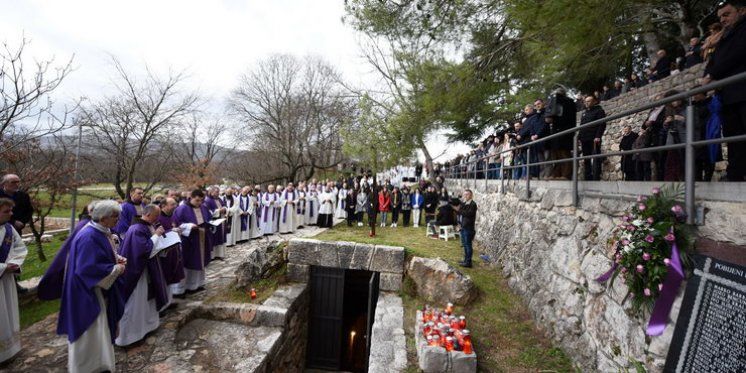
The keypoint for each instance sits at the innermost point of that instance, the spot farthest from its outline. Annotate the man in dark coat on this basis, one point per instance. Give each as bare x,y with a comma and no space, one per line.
628,164
662,67
693,53
560,116
590,138
729,58
22,210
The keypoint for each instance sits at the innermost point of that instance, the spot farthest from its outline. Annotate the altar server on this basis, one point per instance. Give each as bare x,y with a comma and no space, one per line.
12,254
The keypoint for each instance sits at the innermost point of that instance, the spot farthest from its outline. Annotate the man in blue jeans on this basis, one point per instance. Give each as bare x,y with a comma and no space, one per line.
467,213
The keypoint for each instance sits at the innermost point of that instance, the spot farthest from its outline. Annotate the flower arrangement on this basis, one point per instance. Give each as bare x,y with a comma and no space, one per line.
652,245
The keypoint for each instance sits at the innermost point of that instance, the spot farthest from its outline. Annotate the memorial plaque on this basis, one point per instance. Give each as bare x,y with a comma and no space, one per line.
710,334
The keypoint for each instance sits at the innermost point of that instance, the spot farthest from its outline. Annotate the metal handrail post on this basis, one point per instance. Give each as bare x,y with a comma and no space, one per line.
575,199
528,173
689,164
487,173
476,164
502,177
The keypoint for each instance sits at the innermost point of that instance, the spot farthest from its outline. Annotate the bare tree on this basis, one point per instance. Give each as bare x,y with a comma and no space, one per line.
200,151
47,174
293,109
134,126
27,111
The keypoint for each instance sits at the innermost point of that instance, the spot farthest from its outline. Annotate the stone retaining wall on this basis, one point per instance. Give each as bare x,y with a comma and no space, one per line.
551,253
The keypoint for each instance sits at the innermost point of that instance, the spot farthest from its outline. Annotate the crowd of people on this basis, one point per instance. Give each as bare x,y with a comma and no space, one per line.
718,114
125,261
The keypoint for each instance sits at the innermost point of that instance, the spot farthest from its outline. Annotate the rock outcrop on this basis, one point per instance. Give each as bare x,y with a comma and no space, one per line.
438,282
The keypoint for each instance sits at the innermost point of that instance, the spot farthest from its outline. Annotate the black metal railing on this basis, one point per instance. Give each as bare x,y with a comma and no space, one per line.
463,171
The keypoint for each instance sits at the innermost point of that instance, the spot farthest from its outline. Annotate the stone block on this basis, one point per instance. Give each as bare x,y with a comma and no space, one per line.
299,250
298,272
462,362
345,254
361,256
390,281
270,316
387,259
433,359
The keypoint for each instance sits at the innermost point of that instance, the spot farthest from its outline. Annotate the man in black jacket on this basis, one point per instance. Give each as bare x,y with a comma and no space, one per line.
662,67
729,58
22,211
590,138
467,214
561,115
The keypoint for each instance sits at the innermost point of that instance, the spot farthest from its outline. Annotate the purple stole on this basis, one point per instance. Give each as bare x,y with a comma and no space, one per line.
310,203
244,206
266,207
7,243
285,208
301,207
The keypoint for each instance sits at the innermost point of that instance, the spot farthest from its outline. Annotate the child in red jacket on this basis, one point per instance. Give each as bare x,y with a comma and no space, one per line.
384,204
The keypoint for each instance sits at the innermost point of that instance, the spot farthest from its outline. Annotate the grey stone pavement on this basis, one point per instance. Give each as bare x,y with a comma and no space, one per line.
44,351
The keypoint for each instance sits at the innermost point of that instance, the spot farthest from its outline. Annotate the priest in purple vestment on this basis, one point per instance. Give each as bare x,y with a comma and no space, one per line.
217,211
172,262
50,285
91,307
196,244
143,286
131,209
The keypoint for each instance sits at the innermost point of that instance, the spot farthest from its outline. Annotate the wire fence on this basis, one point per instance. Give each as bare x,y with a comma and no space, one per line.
470,170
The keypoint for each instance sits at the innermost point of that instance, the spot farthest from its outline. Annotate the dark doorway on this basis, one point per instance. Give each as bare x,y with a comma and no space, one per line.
342,310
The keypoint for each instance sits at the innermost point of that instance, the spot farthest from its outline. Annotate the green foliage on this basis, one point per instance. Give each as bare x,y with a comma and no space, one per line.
373,140
643,243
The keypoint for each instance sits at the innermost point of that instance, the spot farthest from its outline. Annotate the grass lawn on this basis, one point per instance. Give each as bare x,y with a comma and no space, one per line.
33,267
504,333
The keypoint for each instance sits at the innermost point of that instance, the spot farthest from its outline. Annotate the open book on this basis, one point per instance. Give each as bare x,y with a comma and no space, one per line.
168,240
217,222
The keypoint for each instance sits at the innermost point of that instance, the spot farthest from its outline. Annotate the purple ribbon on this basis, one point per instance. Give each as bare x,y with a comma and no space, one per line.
674,277
285,208
606,276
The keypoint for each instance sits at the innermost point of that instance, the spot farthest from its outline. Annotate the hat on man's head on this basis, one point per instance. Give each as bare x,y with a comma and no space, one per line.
455,202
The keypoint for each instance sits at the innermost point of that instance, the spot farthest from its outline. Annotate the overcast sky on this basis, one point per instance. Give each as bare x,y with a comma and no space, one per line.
214,41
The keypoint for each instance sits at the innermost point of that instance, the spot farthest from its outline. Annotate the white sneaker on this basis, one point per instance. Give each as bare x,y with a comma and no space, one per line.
396,224
416,226
359,224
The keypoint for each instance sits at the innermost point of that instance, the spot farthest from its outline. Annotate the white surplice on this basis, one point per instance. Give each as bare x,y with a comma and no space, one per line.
341,213
255,228
140,314
287,215
268,220
312,207
233,219
246,209
10,327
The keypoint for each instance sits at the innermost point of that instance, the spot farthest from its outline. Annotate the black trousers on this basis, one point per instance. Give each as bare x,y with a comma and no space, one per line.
359,217
591,167
395,215
643,170
406,216
734,124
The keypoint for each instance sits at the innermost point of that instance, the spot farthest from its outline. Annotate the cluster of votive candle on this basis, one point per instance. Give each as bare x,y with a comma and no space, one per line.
442,328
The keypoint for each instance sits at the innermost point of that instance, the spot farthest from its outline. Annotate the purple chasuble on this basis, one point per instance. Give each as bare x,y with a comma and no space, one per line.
126,218
173,263
196,248
218,233
91,260
50,285
136,247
